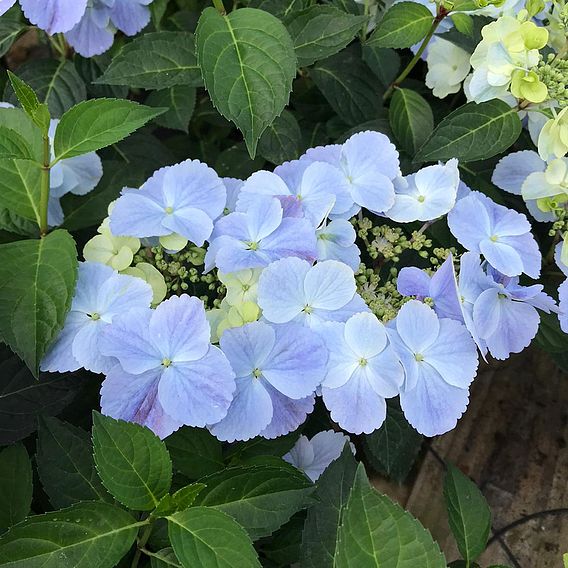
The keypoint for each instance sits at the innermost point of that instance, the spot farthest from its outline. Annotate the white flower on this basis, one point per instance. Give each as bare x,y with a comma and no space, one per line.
448,66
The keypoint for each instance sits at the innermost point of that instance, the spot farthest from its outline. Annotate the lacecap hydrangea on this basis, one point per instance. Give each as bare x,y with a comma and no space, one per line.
234,305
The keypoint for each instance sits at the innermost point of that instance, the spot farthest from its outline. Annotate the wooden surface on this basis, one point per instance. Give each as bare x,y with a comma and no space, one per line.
512,442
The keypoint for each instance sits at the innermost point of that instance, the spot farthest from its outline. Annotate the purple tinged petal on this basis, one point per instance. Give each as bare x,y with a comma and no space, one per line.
249,414
261,183
179,329
412,281
342,360
130,16
444,291
502,257
385,373
135,215
294,237
469,222
365,335
355,406
134,398
193,224
433,407
5,5
54,16
264,216
487,312
198,392
512,170
233,187
59,357
86,348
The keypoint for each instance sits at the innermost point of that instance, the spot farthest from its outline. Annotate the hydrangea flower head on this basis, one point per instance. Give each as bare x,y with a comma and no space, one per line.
256,238
428,194
293,290
369,162
440,361
500,234
184,199
313,456
100,296
278,368
168,373
363,371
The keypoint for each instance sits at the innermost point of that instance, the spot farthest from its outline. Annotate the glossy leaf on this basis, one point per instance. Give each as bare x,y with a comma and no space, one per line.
248,63
180,102
260,498
133,463
473,132
85,535
16,485
38,284
282,139
468,513
65,464
20,187
411,119
321,31
155,61
208,538
98,123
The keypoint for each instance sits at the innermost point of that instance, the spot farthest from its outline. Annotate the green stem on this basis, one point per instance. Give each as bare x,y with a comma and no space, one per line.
442,13
45,179
220,7
140,545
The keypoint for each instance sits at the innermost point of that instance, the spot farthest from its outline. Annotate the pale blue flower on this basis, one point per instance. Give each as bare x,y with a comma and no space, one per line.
278,369
78,175
294,290
505,315
315,455
184,199
101,295
511,173
441,288
563,305
53,16
336,241
428,194
440,362
369,162
258,237
314,186
363,370
502,235
94,34
233,187
168,373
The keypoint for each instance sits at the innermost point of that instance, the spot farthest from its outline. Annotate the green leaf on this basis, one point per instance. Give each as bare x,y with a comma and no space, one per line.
468,513
260,446
260,498
282,139
463,23
180,102
376,532
411,119
26,96
98,123
155,61
349,86
473,132
17,120
164,558
56,83
195,452
383,62
23,398
248,63
279,8
20,187
394,447
179,501
38,281
65,464
133,463
324,517
13,145
321,31
208,538
405,24
90,69
85,535
9,32
16,485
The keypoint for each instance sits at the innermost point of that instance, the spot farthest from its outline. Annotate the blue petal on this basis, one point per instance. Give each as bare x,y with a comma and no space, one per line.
90,36
54,16
329,285
412,281
512,170
130,16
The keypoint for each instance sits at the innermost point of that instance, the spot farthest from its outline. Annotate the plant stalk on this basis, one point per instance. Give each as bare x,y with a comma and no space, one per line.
442,13
140,545
220,7
45,181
